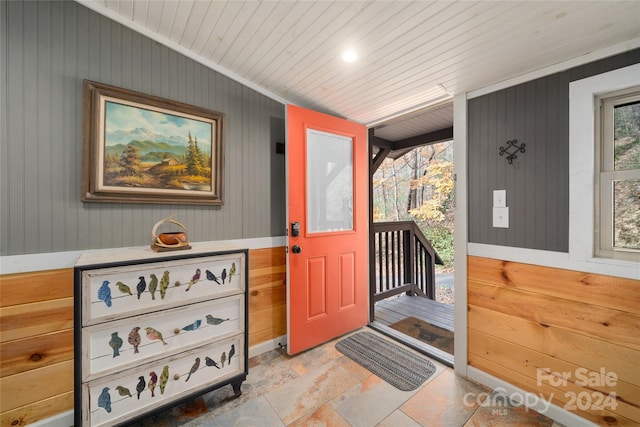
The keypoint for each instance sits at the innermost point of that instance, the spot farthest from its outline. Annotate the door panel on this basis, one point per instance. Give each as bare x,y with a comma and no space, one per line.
316,288
347,280
327,169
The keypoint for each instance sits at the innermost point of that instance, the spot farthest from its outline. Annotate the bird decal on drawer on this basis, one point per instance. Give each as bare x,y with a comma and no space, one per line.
153,334
134,338
104,400
141,286
115,343
193,369
153,285
153,380
104,293
164,284
123,288
211,276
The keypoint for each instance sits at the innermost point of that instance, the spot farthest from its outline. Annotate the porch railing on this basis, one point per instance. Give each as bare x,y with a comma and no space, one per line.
404,261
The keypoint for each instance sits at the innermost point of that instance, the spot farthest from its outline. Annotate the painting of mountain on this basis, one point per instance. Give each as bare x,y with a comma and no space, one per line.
145,148
124,136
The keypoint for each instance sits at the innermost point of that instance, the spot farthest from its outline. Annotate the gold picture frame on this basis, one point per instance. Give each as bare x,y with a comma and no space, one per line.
140,148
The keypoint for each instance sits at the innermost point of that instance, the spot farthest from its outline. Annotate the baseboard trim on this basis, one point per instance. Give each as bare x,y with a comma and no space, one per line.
266,346
64,419
552,411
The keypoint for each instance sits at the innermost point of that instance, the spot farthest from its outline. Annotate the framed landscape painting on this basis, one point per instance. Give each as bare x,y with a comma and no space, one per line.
140,148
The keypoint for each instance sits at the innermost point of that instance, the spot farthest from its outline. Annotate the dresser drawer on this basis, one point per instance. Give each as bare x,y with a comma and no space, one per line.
120,397
126,290
119,344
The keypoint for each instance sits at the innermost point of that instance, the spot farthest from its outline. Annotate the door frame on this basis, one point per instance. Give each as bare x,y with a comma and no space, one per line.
459,136
460,238
361,219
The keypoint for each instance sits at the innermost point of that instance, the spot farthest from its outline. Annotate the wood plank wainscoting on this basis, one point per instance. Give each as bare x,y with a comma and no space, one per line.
527,322
36,333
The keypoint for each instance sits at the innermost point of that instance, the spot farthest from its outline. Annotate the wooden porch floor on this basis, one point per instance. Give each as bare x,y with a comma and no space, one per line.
393,310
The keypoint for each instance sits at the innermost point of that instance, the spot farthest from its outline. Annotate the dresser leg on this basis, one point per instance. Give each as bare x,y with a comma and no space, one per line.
236,387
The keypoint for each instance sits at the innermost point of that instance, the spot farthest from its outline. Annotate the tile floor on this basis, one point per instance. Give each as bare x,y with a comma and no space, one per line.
322,387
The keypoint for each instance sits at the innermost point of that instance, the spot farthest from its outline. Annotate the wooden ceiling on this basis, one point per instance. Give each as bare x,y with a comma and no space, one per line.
411,54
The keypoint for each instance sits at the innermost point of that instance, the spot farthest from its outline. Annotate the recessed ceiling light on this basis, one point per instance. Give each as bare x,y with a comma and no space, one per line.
349,56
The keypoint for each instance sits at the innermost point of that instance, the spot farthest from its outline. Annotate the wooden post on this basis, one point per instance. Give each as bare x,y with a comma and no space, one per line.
408,252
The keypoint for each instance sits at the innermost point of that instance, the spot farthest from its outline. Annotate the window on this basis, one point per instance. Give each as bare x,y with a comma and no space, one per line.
618,187
600,173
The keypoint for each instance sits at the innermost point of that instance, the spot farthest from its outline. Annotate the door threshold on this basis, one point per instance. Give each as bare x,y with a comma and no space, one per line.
417,345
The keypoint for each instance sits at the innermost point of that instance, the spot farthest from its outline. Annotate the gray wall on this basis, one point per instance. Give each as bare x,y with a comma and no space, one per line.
535,113
46,50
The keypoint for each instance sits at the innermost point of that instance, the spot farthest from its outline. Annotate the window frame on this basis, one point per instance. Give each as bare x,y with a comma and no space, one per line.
583,175
607,175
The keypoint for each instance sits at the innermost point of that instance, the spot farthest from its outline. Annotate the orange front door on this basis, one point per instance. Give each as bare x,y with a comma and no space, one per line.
328,214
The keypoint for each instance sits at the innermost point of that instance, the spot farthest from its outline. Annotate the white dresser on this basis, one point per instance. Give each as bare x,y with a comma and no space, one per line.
155,329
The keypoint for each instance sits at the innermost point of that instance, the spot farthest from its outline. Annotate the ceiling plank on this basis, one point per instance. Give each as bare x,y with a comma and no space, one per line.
299,53
221,35
252,35
195,23
139,11
167,17
181,23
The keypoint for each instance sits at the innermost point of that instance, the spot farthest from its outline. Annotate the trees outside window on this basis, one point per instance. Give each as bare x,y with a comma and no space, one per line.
618,195
419,186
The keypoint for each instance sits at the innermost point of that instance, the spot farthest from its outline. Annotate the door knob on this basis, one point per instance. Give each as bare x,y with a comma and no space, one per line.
296,249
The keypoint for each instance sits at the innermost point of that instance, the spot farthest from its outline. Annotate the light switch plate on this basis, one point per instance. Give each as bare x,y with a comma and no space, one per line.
499,198
501,217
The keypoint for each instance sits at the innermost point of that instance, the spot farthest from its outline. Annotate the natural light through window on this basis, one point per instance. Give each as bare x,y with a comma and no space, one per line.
618,195
604,170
